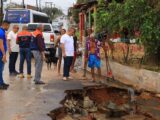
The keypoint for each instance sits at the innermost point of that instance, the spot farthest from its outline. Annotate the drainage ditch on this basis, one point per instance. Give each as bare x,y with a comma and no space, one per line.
107,103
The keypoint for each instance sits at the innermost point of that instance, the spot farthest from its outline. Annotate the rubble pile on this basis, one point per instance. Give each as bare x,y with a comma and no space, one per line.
99,103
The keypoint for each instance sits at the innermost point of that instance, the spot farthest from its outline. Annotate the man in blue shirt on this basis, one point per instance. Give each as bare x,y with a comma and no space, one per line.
3,50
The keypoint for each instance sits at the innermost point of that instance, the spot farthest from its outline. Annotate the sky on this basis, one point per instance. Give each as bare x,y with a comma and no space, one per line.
62,4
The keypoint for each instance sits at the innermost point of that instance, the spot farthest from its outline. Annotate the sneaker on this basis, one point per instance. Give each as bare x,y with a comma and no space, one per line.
6,84
21,76
65,78
39,83
3,87
29,76
12,74
15,72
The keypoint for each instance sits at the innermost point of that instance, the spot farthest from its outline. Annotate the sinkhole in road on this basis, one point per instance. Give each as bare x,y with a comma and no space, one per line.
106,103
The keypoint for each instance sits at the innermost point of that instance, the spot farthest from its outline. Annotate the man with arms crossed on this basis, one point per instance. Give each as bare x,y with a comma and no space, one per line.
67,44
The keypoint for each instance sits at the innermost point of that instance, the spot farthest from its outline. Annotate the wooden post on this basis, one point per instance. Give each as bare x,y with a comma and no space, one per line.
37,5
95,17
81,25
89,17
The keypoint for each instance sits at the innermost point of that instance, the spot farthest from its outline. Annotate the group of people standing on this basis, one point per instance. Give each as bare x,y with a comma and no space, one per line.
67,49
27,44
23,43
68,45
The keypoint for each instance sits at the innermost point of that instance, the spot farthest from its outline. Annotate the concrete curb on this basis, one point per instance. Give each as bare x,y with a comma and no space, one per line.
139,78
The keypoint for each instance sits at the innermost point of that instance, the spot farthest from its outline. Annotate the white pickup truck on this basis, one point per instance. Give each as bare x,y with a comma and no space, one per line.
48,33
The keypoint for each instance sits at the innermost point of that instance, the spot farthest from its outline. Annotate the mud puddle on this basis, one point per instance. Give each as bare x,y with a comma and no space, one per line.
107,103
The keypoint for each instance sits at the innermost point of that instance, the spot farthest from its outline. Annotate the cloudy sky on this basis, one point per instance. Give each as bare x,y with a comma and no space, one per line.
63,4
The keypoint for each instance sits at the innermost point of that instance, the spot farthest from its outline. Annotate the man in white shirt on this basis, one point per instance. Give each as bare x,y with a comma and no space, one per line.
13,49
67,44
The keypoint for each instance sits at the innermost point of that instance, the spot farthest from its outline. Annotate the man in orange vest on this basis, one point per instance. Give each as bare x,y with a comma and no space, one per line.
38,48
23,40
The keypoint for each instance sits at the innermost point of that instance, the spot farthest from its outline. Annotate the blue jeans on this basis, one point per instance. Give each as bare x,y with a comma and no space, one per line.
25,53
67,64
1,71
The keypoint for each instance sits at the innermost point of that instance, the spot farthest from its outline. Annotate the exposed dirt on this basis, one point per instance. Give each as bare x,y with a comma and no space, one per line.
107,103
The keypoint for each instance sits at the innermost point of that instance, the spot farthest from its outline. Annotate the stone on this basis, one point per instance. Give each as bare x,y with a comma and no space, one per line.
68,118
87,102
146,96
134,117
158,95
112,105
100,116
93,109
124,107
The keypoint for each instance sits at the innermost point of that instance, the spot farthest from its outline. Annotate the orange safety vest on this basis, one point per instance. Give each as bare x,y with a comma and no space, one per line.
24,38
37,32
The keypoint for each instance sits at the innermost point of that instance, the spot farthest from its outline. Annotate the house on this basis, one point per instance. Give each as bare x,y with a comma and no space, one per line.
87,16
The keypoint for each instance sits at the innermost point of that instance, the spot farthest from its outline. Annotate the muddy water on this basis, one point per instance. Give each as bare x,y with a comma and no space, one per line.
107,103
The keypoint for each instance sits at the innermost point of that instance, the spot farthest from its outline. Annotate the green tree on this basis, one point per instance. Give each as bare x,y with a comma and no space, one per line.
133,14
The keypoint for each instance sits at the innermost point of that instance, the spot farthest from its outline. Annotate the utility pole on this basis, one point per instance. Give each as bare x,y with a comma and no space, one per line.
40,5
23,3
37,5
51,4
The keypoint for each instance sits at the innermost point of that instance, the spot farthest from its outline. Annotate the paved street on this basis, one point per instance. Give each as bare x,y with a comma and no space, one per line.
26,101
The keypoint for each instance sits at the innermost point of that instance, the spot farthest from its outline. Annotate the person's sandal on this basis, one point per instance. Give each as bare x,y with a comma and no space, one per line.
21,76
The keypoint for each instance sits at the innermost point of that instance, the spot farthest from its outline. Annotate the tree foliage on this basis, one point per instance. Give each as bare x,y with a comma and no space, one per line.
142,15
52,12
